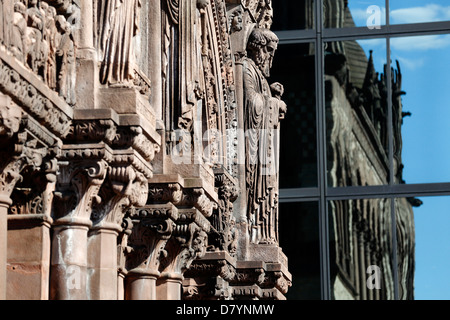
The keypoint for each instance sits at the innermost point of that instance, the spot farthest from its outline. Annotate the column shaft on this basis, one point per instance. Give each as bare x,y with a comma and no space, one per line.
3,248
169,287
102,264
141,285
69,262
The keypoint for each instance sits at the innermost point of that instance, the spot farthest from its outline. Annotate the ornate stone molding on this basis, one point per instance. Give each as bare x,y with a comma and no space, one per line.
260,280
209,277
104,128
182,197
223,223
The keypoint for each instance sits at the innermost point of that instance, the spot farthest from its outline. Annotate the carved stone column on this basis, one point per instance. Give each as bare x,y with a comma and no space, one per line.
26,160
3,247
209,277
124,187
10,117
29,234
188,242
79,184
153,227
126,148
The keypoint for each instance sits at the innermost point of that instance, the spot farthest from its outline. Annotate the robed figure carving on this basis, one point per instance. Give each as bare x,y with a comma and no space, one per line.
263,109
118,23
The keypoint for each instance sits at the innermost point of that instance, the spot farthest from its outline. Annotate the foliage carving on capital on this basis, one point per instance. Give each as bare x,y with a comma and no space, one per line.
123,187
24,157
188,242
78,187
152,228
165,193
92,131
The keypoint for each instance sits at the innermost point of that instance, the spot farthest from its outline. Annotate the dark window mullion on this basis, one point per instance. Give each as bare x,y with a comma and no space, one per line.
321,155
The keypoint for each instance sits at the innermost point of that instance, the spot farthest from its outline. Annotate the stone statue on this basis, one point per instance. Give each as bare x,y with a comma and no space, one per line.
263,111
118,23
66,60
6,13
36,47
50,32
19,32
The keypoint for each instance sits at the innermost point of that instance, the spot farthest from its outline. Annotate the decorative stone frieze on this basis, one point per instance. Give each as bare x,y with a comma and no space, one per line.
222,221
183,193
28,92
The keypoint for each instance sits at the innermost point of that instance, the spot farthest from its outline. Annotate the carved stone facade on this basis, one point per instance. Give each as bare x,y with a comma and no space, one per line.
127,166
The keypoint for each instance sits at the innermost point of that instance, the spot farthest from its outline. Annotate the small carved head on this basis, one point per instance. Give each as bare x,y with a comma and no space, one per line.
10,117
261,48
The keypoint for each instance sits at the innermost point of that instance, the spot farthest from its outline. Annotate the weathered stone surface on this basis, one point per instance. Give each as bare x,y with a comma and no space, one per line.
121,164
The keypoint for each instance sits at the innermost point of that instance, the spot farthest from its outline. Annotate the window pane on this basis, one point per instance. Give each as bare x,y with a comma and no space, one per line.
415,11
431,250
293,66
356,101
421,108
299,238
293,15
354,13
361,265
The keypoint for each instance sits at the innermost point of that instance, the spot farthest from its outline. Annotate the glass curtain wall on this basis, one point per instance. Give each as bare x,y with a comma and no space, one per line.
364,174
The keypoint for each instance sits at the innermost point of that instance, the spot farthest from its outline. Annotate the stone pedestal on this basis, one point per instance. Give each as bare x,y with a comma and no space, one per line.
127,101
28,267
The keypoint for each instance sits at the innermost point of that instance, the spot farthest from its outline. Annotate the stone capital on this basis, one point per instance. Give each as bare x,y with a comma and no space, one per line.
79,182
153,225
28,158
188,242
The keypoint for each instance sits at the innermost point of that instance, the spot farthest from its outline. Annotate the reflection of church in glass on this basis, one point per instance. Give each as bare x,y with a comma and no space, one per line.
356,97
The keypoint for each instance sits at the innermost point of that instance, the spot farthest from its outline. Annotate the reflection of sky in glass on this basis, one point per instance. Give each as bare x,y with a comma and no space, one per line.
401,11
425,69
432,249
426,152
414,11
361,11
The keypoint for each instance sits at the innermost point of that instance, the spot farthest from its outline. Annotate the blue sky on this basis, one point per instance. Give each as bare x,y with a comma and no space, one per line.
425,65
